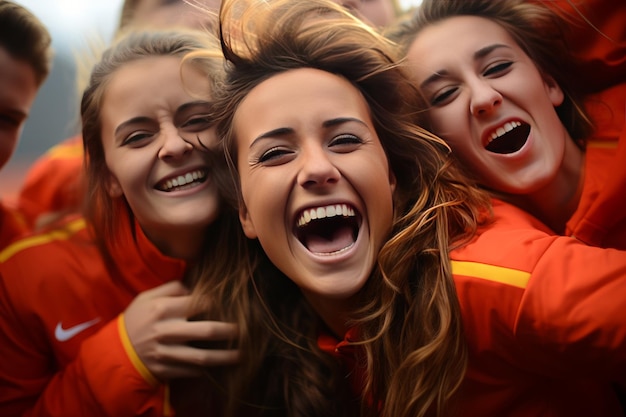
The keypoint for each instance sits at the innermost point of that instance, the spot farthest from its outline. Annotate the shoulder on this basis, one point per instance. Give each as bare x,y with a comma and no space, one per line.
13,225
509,246
68,234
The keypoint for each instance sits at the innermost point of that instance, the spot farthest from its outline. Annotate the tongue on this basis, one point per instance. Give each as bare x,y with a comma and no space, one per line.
340,238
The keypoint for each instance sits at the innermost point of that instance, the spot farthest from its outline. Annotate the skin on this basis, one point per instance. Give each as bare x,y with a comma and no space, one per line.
475,94
306,137
18,89
168,13
150,142
151,122
378,13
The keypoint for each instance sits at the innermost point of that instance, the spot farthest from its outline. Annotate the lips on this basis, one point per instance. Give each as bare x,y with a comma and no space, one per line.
508,138
329,229
183,181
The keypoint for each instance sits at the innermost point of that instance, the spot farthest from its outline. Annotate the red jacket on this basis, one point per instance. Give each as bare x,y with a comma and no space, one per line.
544,322
600,219
63,347
54,183
544,319
12,225
597,38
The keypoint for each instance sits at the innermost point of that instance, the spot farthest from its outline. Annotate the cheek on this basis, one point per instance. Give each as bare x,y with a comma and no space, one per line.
259,199
447,124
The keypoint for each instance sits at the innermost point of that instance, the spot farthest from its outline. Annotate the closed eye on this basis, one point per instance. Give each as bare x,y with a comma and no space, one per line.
196,124
137,139
275,156
345,142
497,69
443,96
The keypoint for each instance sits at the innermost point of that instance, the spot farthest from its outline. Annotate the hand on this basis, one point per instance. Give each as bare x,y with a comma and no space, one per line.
157,326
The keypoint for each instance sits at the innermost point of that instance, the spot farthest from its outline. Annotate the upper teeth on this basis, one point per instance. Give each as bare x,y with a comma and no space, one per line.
507,127
323,212
183,179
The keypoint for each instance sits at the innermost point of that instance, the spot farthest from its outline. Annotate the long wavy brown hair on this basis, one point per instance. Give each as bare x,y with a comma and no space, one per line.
536,29
409,322
220,283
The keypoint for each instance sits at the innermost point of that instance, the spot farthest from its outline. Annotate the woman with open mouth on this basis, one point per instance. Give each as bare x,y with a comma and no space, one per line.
503,92
354,212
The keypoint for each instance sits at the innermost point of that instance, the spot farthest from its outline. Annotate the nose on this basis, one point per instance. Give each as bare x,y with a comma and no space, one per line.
484,99
173,145
316,170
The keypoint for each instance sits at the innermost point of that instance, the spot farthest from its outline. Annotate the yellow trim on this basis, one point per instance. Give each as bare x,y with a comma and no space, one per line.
59,234
602,144
132,354
493,273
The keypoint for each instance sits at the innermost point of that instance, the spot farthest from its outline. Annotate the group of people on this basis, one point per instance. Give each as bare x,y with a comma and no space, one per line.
318,208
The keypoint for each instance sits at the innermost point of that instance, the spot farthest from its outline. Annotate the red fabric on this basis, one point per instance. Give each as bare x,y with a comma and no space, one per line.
54,183
12,225
597,38
59,278
348,354
544,323
600,219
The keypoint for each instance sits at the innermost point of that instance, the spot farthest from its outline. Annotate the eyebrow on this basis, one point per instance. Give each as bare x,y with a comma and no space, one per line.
134,120
144,119
192,104
183,110
283,131
481,53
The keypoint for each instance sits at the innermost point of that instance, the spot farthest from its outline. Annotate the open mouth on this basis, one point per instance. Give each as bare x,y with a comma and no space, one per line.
508,138
328,230
183,182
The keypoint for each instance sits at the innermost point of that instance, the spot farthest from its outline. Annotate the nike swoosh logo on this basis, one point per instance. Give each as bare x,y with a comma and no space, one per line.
63,335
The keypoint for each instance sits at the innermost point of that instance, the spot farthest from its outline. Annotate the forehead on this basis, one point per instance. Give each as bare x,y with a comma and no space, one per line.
457,37
300,98
150,85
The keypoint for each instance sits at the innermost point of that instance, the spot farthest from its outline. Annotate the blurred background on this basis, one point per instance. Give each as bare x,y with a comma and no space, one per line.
74,26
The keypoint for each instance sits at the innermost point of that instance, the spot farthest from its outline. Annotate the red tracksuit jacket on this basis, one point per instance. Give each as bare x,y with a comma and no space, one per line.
63,346
544,322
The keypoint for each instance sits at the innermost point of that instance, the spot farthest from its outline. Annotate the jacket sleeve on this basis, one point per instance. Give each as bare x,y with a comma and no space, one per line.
100,381
571,313
548,305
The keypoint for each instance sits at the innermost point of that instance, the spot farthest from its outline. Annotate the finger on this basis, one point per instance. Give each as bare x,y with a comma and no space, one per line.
196,357
171,288
166,307
180,331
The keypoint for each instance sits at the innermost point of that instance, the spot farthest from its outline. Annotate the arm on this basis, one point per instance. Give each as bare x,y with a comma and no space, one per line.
99,381
544,304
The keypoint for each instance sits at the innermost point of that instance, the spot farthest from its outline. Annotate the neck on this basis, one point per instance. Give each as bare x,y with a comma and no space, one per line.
180,243
555,203
334,313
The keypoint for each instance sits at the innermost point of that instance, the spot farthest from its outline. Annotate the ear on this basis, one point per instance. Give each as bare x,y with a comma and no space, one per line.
554,91
246,222
392,181
113,187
